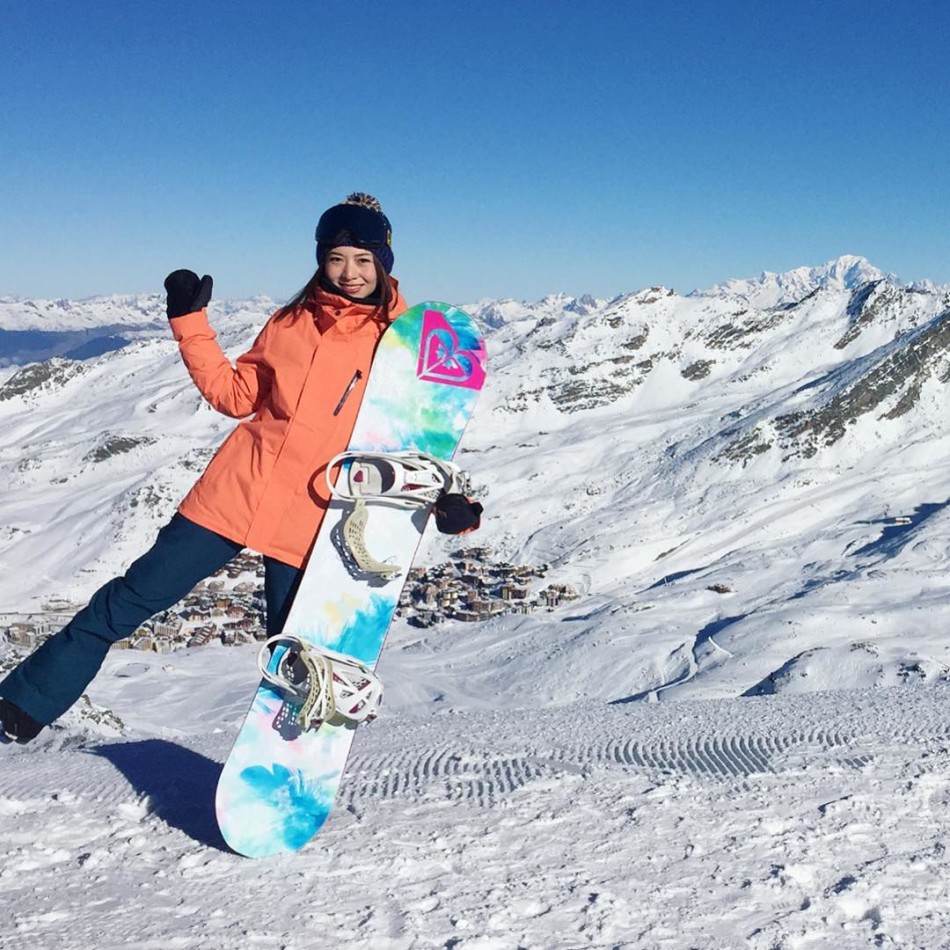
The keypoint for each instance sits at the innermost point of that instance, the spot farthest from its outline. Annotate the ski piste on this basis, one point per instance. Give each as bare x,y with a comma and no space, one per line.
280,780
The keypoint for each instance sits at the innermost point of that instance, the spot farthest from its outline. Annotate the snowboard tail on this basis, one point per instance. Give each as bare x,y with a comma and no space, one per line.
280,781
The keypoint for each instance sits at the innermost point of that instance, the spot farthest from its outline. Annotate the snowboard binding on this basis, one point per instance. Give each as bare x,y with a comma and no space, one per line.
401,479
404,479
323,685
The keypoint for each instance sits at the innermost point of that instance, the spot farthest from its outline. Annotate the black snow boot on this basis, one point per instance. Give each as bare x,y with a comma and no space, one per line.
16,725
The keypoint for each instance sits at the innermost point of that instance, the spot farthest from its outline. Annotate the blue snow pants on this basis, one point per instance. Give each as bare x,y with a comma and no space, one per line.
52,678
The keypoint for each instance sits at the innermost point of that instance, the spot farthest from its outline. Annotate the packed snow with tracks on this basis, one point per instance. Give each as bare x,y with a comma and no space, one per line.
783,821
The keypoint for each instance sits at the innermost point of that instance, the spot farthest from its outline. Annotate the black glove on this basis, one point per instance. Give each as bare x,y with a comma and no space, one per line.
187,292
456,514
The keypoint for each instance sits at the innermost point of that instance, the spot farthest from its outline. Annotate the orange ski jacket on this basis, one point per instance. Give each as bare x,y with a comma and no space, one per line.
301,383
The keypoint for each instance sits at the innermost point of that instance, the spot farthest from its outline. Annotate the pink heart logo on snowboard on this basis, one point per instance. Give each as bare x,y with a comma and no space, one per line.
443,360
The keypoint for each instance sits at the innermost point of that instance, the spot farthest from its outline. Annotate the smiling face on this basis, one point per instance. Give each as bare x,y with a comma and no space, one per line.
353,270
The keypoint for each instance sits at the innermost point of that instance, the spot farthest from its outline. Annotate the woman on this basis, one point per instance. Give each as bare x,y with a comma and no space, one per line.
301,383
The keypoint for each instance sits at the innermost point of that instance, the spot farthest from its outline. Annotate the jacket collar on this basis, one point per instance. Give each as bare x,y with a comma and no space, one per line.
329,309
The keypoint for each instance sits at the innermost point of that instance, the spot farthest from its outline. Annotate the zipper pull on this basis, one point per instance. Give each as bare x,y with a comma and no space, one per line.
357,376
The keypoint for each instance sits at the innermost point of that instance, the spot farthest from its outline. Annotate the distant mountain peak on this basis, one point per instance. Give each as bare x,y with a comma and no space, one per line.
771,290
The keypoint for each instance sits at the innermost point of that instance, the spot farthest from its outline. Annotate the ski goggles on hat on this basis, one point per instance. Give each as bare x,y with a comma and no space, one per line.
363,226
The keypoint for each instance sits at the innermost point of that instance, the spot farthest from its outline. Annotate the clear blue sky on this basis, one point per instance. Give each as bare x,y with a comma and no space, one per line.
519,148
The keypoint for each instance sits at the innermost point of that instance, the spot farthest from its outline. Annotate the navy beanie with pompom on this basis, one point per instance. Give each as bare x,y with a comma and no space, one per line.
357,222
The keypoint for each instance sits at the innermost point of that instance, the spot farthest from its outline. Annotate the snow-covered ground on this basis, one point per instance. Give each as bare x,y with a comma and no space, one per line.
799,821
738,735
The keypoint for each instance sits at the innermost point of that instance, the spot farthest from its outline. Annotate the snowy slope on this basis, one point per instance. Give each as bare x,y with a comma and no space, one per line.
748,486
774,822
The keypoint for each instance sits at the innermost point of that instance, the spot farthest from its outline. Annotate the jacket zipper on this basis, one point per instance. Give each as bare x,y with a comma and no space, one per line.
357,376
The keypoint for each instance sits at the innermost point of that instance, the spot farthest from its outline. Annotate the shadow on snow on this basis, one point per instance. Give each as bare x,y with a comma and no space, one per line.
179,783
897,534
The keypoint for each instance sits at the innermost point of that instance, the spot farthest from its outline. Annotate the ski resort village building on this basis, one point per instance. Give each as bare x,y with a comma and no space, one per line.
229,607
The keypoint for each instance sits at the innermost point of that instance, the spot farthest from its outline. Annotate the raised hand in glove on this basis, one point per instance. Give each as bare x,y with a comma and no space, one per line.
187,292
456,514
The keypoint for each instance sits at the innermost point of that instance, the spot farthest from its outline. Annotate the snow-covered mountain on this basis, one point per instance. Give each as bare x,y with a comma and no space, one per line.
748,486
35,330
748,498
771,290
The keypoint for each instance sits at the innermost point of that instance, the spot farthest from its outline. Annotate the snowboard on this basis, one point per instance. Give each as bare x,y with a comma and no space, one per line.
279,782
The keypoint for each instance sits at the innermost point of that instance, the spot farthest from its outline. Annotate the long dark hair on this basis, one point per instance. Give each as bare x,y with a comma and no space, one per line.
299,300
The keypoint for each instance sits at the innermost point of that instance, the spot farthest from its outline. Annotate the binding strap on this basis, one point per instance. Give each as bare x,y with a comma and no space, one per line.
324,684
